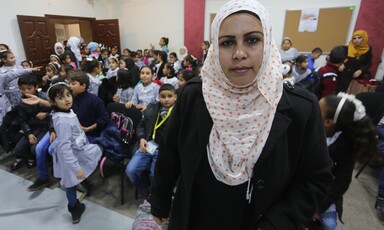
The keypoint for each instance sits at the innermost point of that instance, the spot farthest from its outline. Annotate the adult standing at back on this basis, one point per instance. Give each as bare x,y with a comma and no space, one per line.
359,61
244,151
287,52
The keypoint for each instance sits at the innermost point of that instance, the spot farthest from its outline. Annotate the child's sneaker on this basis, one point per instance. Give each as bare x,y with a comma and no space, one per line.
38,184
380,204
31,163
18,164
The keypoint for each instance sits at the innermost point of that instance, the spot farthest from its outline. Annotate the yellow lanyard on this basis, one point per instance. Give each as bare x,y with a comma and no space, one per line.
161,122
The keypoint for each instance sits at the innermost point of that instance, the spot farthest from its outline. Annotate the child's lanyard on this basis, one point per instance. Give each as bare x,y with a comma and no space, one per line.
161,122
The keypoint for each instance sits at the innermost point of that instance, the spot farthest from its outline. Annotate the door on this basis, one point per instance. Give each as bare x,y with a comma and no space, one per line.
36,40
107,32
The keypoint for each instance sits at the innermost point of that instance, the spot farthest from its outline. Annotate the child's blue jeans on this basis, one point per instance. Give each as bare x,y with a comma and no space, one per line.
137,165
71,196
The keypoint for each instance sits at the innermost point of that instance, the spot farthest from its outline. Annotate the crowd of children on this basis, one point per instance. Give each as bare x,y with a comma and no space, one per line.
60,113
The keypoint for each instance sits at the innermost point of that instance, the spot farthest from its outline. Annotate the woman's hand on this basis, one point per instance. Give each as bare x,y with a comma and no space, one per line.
357,73
143,145
161,221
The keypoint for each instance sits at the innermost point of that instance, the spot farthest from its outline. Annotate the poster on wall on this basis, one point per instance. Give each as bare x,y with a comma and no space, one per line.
309,19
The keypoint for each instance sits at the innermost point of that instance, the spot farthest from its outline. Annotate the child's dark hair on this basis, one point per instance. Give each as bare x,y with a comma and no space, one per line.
361,133
89,64
54,67
300,59
67,67
317,50
64,56
29,79
124,79
188,75
168,87
29,62
57,89
79,76
4,55
192,60
207,43
338,55
174,54
163,56
5,45
171,68
165,40
148,68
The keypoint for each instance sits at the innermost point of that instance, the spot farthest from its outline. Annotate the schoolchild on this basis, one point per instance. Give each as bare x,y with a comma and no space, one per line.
149,132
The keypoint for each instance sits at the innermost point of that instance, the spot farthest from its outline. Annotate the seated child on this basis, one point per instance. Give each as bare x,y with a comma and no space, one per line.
146,92
33,122
149,132
74,158
169,75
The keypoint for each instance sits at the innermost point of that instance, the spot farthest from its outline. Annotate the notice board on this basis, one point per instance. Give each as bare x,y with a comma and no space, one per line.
332,29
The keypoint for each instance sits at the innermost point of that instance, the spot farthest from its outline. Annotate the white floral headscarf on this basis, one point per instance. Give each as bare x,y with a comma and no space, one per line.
242,116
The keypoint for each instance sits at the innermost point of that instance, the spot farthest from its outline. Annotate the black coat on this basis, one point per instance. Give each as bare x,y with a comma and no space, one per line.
290,177
343,162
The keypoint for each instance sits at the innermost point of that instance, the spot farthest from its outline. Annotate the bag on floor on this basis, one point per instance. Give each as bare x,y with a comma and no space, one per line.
144,220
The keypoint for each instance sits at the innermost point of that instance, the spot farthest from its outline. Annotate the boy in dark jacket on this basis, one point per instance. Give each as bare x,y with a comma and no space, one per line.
328,74
149,132
32,121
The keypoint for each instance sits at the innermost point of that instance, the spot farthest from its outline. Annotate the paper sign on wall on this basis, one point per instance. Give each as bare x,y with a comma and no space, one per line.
309,19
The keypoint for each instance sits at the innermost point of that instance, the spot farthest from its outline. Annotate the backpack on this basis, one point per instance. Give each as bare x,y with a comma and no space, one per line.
125,127
144,220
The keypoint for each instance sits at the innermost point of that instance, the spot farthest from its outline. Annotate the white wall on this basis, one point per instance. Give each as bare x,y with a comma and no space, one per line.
10,33
277,8
143,22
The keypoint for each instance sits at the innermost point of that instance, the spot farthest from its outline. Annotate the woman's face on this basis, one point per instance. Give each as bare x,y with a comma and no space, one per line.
286,45
182,51
357,40
241,48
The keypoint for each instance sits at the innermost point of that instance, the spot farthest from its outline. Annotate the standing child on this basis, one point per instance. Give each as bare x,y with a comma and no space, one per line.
74,158
125,85
93,68
287,52
300,70
163,44
351,136
149,132
169,76
11,89
146,92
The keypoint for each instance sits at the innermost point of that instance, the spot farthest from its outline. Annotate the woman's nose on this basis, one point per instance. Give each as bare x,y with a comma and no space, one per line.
240,52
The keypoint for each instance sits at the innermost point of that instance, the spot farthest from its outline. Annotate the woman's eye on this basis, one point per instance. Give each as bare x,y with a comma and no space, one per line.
226,43
252,40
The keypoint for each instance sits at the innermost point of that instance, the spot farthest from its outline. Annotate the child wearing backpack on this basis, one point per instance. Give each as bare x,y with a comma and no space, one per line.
74,158
351,136
148,132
